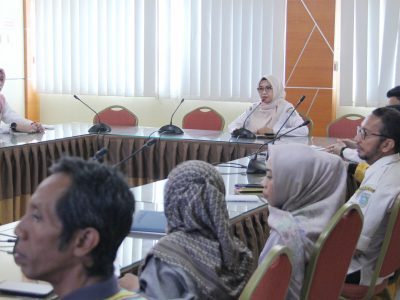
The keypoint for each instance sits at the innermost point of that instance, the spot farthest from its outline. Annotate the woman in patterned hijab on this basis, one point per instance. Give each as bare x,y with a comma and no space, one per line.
304,188
199,258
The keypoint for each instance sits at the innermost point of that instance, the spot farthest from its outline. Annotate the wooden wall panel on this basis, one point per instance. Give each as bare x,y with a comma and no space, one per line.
32,104
309,59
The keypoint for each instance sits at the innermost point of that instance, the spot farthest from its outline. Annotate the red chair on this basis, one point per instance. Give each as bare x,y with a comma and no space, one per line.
388,260
345,126
271,278
203,118
328,265
117,115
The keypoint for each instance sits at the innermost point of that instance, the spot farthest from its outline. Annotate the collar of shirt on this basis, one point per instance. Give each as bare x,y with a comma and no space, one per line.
100,290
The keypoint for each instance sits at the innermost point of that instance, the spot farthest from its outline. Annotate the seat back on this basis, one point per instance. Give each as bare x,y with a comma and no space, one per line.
203,118
328,265
310,125
345,126
271,278
389,259
117,115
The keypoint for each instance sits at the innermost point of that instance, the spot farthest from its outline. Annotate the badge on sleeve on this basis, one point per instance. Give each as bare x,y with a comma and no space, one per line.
363,198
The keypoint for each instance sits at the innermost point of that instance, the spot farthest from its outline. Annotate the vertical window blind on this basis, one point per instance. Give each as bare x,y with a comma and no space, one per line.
367,51
197,49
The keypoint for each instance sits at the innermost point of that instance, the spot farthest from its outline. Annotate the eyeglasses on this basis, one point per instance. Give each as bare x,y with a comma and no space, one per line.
264,89
362,132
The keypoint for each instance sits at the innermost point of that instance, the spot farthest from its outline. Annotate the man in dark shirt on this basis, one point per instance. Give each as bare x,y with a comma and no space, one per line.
73,226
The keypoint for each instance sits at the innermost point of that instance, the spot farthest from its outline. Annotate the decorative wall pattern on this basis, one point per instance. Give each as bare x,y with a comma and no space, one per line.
309,59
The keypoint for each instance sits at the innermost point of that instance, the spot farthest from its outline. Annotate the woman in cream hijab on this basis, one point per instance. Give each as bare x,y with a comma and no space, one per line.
304,189
270,112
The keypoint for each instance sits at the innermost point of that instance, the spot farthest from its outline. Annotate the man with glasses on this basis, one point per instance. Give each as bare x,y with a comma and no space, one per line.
378,143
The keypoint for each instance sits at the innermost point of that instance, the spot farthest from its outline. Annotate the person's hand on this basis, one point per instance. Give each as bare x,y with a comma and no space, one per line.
265,130
37,127
129,282
30,128
349,143
336,148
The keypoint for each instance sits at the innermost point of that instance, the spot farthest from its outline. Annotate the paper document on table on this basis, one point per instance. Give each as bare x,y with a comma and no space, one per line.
149,222
242,198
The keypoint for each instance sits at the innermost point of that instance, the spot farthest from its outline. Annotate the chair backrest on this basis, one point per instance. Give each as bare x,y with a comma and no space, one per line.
271,278
203,118
345,126
117,115
310,125
328,264
389,259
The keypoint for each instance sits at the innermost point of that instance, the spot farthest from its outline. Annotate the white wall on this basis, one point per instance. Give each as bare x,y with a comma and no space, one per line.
151,112
344,110
12,52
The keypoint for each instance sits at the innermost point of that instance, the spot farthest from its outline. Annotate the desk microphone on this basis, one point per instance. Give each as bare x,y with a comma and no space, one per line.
243,132
99,127
256,166
148,144
291,113
172,129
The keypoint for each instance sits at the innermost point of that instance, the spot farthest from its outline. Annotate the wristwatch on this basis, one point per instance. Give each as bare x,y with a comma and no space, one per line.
13,126
341,151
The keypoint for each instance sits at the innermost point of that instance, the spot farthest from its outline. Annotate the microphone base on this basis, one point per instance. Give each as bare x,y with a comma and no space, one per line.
170,129
243,133
256,166
100,128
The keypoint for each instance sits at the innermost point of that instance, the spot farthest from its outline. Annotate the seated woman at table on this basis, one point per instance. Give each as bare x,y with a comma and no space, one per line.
304,188
270,112
199,258
14,121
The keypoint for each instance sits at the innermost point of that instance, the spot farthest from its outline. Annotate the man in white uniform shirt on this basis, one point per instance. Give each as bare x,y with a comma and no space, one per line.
378,143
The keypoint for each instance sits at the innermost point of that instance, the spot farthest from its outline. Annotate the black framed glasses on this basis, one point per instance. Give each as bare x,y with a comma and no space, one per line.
264,89
362,132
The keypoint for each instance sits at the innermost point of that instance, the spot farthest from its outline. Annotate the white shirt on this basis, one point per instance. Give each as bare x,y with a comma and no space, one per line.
375,197
8,115
351,155
254,122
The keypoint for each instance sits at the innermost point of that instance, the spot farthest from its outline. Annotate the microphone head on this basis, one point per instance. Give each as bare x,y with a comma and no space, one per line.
183,99
302,98
76,97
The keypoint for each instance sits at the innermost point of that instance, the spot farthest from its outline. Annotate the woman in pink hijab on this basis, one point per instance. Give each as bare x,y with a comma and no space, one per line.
304,189
10,117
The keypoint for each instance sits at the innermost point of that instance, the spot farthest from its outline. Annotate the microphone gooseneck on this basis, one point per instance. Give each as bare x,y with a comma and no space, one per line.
291,113
148,144
256,166
172,129
243,132
99,127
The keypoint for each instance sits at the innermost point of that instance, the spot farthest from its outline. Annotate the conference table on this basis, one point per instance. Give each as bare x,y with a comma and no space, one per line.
25,160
